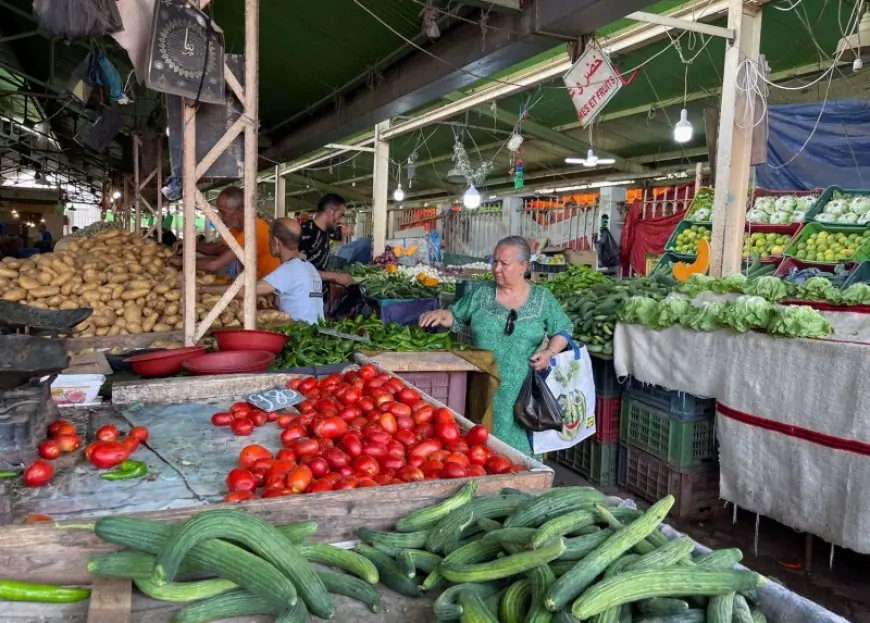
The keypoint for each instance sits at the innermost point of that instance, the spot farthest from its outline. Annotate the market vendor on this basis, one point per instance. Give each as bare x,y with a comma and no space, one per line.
513,319
317,232
295,282
230,205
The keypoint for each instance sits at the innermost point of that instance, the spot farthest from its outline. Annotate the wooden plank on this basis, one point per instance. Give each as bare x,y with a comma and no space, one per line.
441,361
125,342
51,554
111,599
187,389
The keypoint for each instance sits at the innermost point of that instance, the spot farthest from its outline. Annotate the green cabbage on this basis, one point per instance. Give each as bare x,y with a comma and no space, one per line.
731,283
746,313
669,312
702,317
768,288
856,294
798,321
696,284
816,289
638,310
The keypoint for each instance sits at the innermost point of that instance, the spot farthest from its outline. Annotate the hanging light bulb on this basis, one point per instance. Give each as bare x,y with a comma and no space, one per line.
116,195
399,194
683,128
471,198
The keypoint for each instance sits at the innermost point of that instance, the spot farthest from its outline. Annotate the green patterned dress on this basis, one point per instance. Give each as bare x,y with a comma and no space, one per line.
539,318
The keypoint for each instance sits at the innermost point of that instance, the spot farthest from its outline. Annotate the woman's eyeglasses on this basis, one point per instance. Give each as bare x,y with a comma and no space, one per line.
511,320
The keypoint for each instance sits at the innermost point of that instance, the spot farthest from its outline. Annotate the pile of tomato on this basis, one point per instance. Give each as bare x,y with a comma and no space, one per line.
361,429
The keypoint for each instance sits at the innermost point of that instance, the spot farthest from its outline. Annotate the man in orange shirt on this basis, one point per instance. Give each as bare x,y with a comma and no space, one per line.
230,205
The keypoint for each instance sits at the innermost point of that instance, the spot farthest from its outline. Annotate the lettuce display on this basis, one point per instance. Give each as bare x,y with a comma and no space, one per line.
768,288
702,206
856,294
798,321
703,316
816,289
746,313
639,310
780,210
669,312
846,210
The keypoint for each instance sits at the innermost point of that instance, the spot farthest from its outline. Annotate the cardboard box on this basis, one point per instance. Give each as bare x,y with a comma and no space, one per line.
586,258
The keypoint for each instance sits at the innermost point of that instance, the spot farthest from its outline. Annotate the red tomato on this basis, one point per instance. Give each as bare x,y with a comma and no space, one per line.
319,486
139,432
349,414
351,396
439,455
381,400
59,427
394,386
377,450
307,385
444,416
109,432
348,482
242,427
318,466
280,468
460,459
405,437
497,464
331,380
366,465
285,420
258,418
336,458
69,443
306,419
447,433
475,471
454,470
373,432
366,482
330,427
423,415
324,403
392,462
299,479
383,479
240,413
395,448
478,455
352,445
285,454
251,454
398,408
50,449
404,422
293,384
432,465
516,467
241,480
368,372
234,497
459,446
345,471
222,419
305,446
106,454
478,435
425,431
38,473
415,461
409,396
305,405
410,474
292,432
240,406
277,492
387,421
366,404
423,449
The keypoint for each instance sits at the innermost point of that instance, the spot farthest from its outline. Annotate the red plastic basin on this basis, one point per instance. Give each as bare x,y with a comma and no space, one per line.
165,362
229,362
242,339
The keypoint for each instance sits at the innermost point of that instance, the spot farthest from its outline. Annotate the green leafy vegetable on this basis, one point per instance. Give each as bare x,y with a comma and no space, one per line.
639,310
769,288
702,317
816,289
856,294
669,312
731,283
696,284
746,313
798,321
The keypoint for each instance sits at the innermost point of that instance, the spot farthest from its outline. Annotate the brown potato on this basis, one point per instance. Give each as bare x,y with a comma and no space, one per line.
28,283
44,277
62,278
15,294
132,295
171,319
162,327
149,321
133,314
45,292
102,331
68,304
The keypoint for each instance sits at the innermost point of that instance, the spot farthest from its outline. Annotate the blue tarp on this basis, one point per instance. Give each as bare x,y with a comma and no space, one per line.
837,154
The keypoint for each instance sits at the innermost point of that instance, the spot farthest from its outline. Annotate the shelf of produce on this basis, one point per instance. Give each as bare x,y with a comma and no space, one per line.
793,262
190,458
681,227
826,196
862,252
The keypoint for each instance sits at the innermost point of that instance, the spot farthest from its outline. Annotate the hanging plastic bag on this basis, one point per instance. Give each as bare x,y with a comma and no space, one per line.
536,408
608,249
570,381
78,19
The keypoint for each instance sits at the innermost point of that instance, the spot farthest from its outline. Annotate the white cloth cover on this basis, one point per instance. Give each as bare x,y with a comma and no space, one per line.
818,385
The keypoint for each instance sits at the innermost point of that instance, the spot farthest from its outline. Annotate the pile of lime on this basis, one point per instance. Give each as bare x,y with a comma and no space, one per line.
831,247
765,245
687,240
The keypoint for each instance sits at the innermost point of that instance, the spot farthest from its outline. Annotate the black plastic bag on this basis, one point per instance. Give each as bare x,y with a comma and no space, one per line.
536,408
608,249
78,19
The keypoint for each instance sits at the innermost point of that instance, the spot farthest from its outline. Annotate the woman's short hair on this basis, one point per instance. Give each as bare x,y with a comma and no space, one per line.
521,245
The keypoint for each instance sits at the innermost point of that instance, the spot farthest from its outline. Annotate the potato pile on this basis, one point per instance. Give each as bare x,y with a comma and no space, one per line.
121,276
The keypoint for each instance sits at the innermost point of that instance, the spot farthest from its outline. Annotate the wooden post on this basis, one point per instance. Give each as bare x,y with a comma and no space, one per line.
734,146
699,176
159,214
189,191
137,191
280,193
252,75
380,188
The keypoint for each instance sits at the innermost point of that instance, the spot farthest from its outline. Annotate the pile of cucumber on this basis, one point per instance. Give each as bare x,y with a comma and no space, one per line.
560,557
594,309
260,569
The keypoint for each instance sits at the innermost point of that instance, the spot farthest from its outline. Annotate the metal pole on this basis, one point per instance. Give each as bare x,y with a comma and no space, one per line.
159,215
252,74
280,194
380,188
189,212
136,190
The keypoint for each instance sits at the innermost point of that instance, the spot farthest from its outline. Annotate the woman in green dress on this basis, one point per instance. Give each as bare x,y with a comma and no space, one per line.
520,323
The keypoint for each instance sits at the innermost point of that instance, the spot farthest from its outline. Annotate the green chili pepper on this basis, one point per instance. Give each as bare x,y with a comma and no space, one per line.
4,475
12,590
128,470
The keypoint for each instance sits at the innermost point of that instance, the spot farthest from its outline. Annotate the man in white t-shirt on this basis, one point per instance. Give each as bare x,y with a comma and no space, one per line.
295,283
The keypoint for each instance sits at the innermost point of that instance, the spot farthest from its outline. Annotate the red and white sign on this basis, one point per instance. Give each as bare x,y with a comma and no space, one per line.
591,82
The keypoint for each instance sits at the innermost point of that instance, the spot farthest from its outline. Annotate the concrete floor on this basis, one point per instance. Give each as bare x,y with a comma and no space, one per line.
843,589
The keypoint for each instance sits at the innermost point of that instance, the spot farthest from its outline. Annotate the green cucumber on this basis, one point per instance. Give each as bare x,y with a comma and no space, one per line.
475,552
665,556
573,583
742,613
612,519
251,531
431,515
339,558
446,606
720,609
621,565
406,564
758,617
541,579
237,603
126,564
611,615
184,592
720,558
502,567
562,525
389,572
299,531
553,503
398,540
355,588
450,527
489,525
515,536
515,602
422,560
577,548
689,616
636,585
474,609
663,606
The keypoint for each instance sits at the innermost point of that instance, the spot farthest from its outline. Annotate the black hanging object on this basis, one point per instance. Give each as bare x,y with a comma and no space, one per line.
608,249
77,19
536,409
186,53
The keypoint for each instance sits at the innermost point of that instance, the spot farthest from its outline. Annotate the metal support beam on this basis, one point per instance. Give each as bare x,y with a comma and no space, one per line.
380,188
734,145
280,194
347,193
495,5
683,24
455,61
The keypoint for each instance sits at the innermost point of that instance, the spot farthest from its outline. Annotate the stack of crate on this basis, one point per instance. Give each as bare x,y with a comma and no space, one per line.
668,446
597,458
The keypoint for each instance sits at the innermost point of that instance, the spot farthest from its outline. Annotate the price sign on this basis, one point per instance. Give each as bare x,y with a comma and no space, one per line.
592,82
274,399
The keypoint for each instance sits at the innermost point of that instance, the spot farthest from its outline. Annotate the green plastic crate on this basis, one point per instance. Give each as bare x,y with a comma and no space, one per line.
596,462
680,444
861,274
812,215
861,253
683,225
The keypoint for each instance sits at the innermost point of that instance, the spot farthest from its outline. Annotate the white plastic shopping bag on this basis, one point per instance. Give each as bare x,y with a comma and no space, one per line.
570,380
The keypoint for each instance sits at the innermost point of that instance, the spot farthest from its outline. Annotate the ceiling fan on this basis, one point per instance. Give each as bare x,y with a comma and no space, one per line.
591,160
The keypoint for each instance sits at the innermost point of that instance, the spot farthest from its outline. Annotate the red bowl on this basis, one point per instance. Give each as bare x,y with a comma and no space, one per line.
242,339
164,362
228,362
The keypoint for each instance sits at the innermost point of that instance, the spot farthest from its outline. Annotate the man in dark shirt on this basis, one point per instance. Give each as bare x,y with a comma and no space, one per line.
316,234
